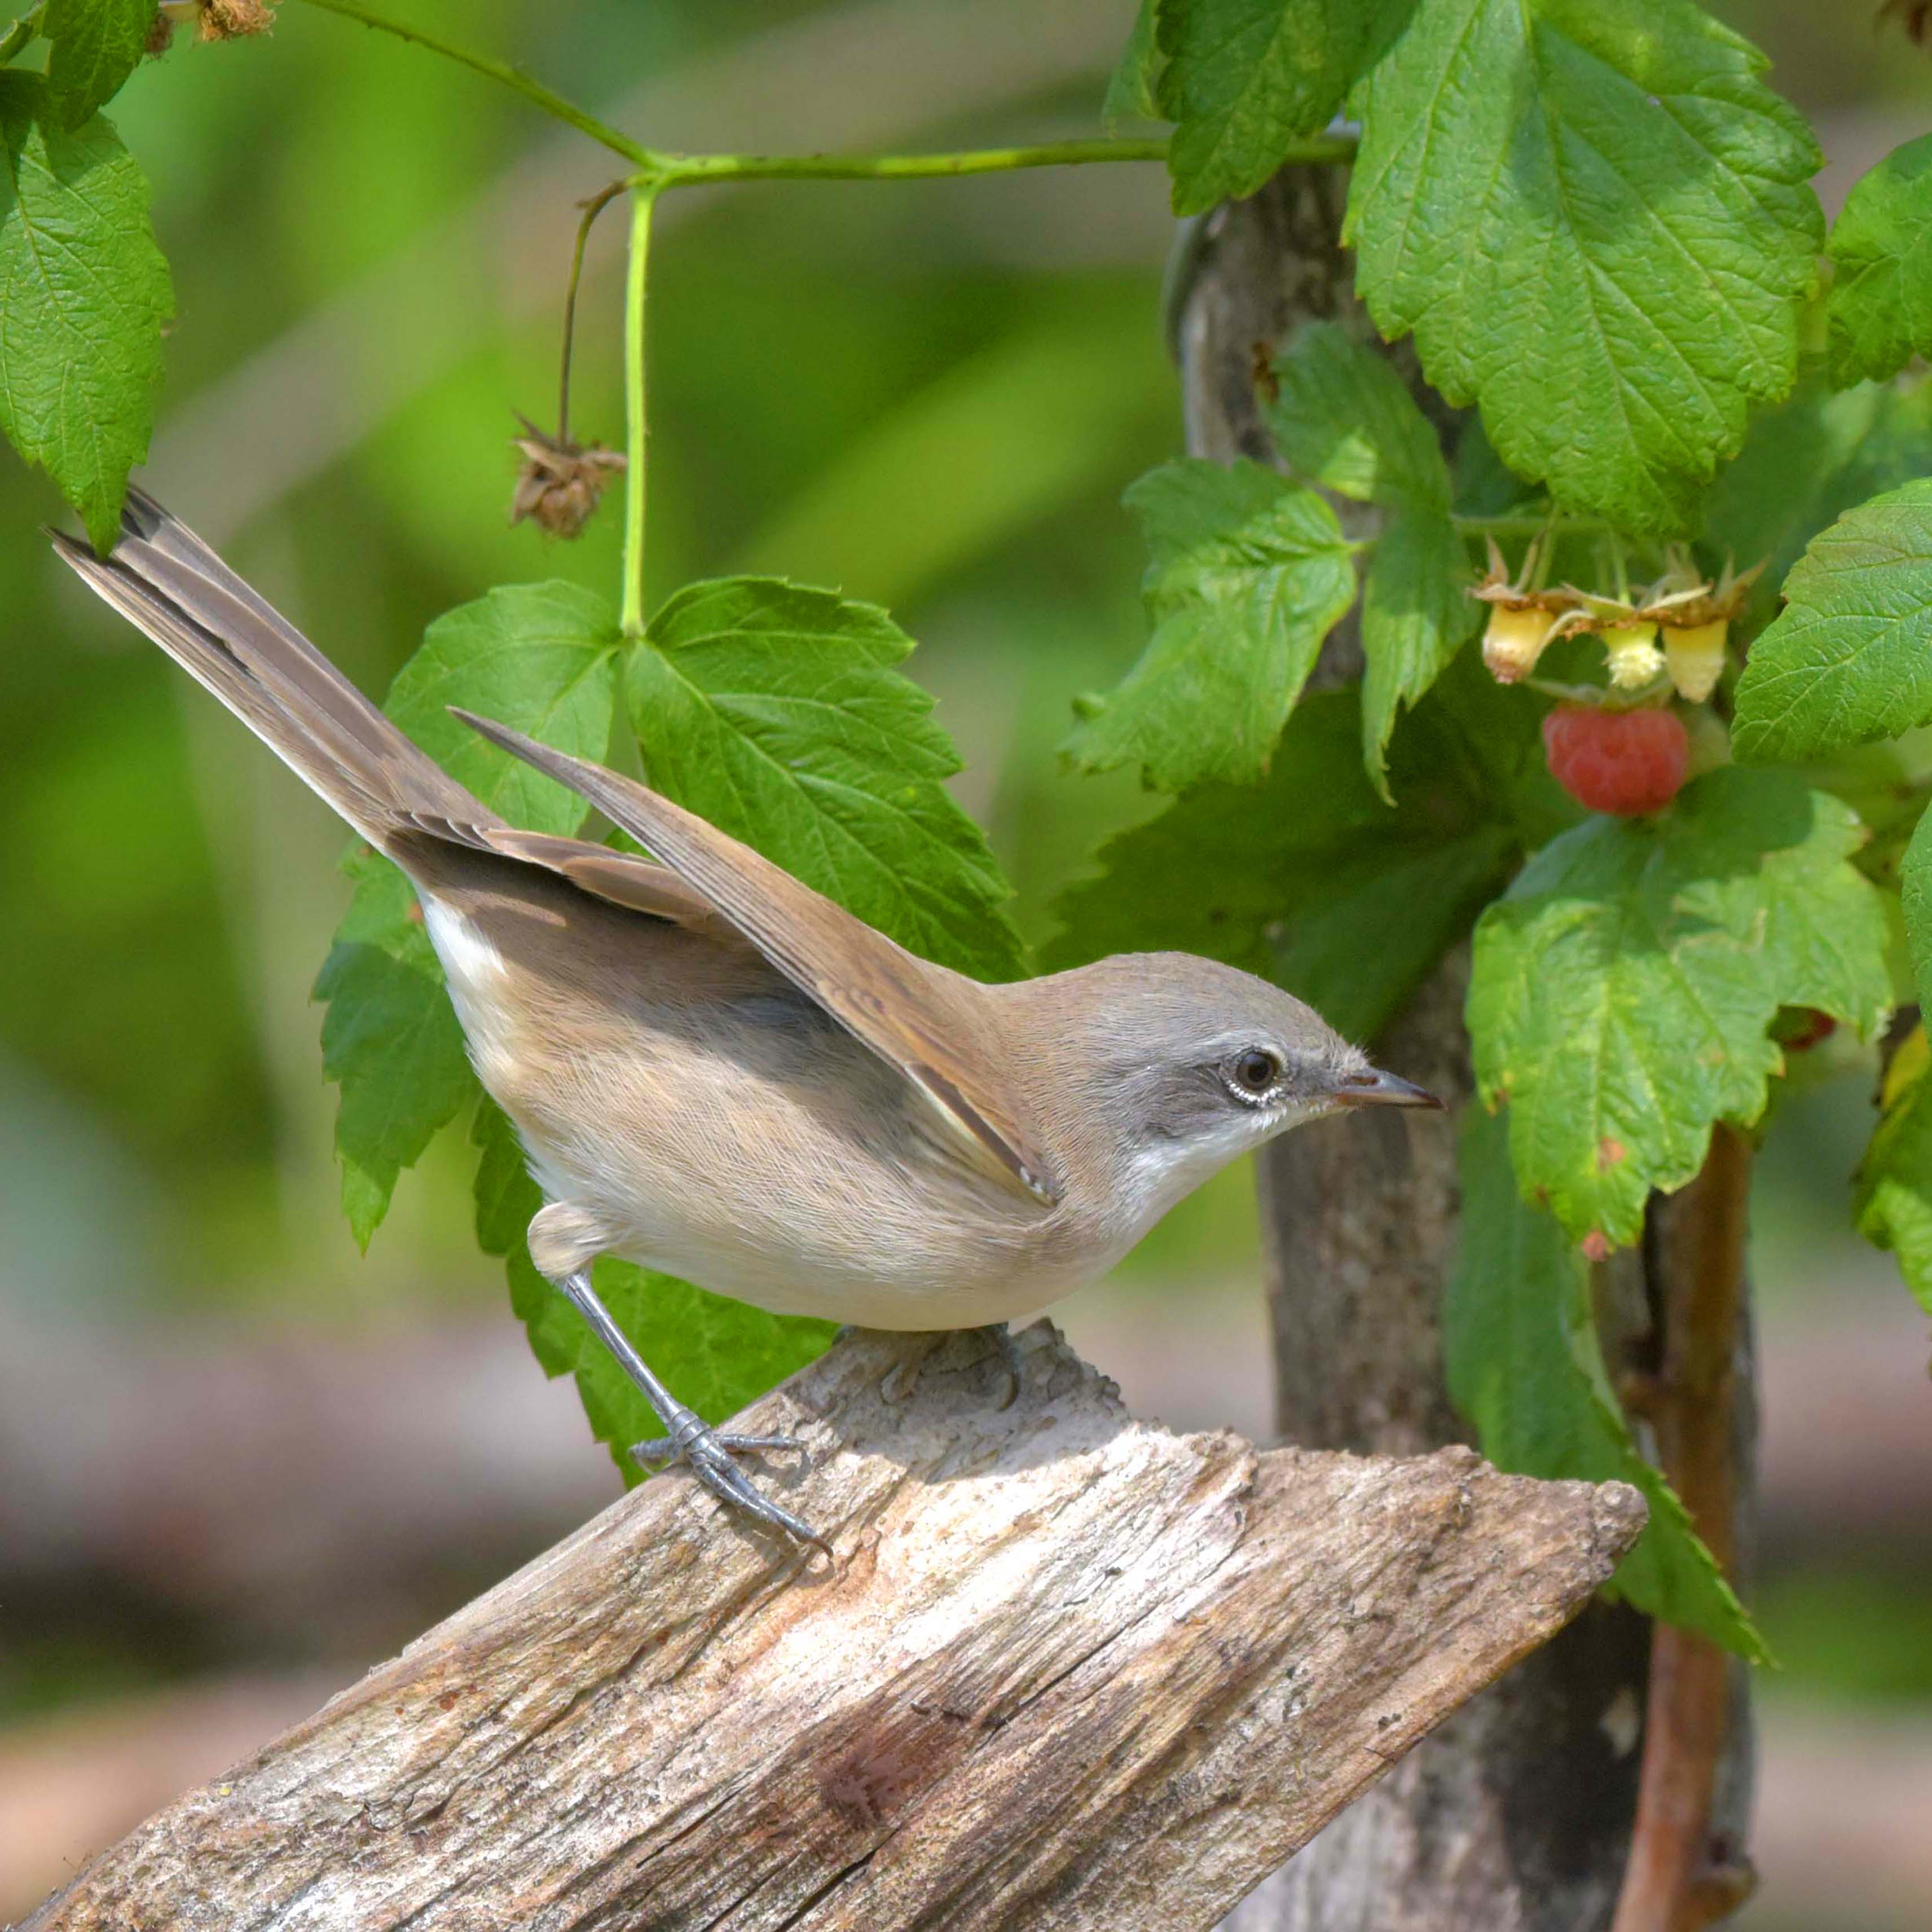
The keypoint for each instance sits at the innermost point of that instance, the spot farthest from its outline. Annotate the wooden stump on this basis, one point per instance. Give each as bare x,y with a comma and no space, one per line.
1066,1670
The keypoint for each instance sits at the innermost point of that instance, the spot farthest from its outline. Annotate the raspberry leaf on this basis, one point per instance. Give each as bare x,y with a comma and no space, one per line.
1343,418
1525,1365
1849,658
715,1353
84,291
776,712
1130,87
1539,194
1895,1179
1308,878
1623,987
95,45
1246,78
1249,573
1879,314
538,656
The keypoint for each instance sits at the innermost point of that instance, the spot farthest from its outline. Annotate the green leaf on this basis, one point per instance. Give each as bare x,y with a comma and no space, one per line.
83,293
96,44
1130,87
1623,988
1343,418
716,1354
389,1040
1596,220
1915,893
1849,658
1308,878
1249,573
1524,1364
775,712
540,657
1879,314
1894,1206
1416,614
1812,458
1245,78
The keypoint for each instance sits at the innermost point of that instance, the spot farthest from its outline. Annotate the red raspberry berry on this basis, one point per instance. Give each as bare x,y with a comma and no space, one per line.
1625,762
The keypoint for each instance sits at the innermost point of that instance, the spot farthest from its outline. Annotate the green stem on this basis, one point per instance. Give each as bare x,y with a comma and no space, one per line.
684,170
550,101
644,198
18,35
592,209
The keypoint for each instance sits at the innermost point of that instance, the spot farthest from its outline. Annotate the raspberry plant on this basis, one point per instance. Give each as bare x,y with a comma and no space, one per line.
1670,473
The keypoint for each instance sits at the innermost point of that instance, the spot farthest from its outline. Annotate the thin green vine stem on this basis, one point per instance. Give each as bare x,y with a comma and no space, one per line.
636,440
690,170
19,34
551,101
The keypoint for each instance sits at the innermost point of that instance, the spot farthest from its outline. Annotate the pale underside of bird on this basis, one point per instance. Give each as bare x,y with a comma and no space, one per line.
716,1071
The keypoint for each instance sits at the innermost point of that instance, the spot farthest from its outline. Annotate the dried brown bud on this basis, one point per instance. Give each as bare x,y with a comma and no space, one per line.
234,19
559,484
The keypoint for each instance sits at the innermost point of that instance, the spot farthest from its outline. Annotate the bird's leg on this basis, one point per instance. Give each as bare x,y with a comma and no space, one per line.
903,1377
689,1439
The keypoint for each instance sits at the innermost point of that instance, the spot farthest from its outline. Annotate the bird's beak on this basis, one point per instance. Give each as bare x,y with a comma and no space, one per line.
1377,1089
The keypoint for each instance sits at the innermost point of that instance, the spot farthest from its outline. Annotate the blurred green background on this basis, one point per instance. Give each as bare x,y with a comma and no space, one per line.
237,1461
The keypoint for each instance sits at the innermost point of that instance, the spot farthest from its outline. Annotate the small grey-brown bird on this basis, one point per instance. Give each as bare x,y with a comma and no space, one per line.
716,1071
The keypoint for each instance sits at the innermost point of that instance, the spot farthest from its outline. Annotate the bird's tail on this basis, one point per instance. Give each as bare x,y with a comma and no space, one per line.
162,577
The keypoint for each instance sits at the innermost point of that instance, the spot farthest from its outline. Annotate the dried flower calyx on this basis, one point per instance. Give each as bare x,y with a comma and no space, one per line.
1523,620
559,484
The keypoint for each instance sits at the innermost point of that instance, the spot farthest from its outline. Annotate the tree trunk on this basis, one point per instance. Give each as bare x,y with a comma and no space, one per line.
1063,1671
1517,1816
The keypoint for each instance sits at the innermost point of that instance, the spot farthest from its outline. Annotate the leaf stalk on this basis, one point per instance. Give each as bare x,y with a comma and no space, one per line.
643,199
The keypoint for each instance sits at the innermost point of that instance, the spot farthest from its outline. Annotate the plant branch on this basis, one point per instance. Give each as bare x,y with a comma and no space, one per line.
635,432
1677,1880
19,34
689,170
551,102
592,209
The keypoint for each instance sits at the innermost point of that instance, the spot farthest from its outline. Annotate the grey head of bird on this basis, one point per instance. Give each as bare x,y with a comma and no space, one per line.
1155,1069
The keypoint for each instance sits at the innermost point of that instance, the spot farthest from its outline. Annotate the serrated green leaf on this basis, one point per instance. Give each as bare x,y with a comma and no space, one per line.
1416,614
1596,220
1249,573
1245,78
1914,894
774,711
1849,658
1894,1206
1308,878
1623,988
1812,458
84,291
715,1355
1879,314
1130,87
540,657
1524,1364
94,46
389,1040
1343,418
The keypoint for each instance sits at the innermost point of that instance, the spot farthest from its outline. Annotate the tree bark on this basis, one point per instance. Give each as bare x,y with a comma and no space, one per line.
1064,1671
1517,1816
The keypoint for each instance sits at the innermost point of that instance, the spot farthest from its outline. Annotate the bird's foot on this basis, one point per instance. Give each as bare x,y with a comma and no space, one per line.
707,1453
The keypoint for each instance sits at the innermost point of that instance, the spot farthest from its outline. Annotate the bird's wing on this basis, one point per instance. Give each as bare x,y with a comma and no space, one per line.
919,1019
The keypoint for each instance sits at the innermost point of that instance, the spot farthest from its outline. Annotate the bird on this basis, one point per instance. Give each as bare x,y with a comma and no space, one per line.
717,1072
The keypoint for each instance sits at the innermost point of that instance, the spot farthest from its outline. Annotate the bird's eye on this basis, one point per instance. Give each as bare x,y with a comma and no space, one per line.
1256,1071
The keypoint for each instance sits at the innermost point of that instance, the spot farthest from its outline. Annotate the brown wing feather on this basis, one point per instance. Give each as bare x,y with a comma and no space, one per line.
920,1018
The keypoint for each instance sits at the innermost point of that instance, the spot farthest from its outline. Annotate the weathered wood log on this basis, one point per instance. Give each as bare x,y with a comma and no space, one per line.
1064,1670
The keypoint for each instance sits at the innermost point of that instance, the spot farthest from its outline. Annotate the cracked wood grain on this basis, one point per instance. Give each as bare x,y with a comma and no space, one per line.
1066,1670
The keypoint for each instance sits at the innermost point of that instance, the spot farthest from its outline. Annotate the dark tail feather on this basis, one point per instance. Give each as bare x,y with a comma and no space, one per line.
165,580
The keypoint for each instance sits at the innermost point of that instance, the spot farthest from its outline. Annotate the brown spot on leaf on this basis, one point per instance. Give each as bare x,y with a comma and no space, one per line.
1596,1245
1609,1153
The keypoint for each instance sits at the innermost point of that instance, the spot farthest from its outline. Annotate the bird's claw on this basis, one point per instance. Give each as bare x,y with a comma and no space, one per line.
707,1453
